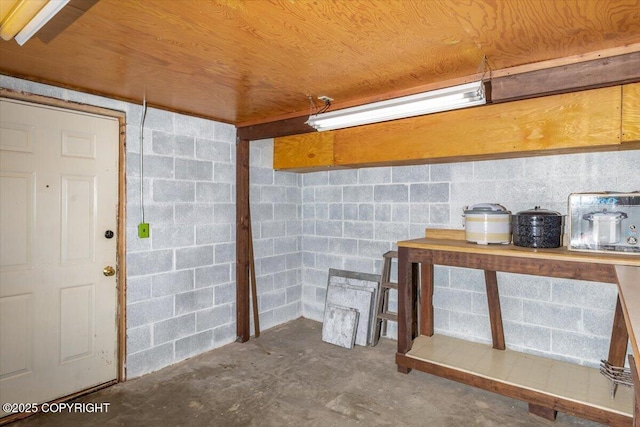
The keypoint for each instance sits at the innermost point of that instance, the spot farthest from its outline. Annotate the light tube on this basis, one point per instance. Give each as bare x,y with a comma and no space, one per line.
46,13
451,98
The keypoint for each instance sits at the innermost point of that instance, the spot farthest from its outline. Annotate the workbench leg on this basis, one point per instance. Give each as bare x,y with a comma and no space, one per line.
406,304
426,299
636,392
619,337
495,313
543,411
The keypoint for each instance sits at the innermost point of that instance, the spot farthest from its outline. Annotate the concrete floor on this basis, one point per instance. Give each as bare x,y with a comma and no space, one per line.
289,377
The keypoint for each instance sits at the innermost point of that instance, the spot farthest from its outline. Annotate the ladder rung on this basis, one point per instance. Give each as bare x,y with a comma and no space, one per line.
388,316
389,285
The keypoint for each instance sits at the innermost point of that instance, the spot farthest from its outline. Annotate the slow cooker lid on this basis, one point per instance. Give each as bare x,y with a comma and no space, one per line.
486,208
538,211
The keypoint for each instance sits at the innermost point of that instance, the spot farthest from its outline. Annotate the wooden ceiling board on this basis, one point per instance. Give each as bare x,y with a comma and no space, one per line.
239,61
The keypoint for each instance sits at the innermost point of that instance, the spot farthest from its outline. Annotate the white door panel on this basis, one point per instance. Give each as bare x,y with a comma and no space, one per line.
58,196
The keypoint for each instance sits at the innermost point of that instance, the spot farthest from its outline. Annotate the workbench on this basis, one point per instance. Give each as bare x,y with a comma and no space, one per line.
547,385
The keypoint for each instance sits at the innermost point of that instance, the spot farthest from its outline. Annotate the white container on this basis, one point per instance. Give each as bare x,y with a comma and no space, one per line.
487,223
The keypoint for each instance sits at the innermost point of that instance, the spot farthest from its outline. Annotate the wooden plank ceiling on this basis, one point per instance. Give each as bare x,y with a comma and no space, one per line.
246,62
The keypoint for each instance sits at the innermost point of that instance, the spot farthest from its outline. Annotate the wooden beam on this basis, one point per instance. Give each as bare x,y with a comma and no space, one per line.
242,240
568,78
285,127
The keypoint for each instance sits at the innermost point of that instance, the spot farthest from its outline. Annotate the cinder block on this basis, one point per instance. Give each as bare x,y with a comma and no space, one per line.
343,246
224,213
138,339
429,193
400,213
359,264
190,213
261,212
419,213
470,325
158,166
294,294
134,243
468,279
162,120
402,174
365,212
213,233
261,176
343,177
194,344
294,227
213,150
453,300
171,236
197,256
223,172
439,214
262,247
396,193
357,193
193,126
288,179
173,329
391,231
195,300
552,315
335,211
272,264
225,293
173,191
315,178
503,170
224,132
597,322
315,244
138,289
273,194
374,175
294,260
588,347
212,275
327,261
156,214
169,144
149,311
285,245
294,195
372,248
172,283
149,360
224,334
211,192
271,300
584,294
140,263
358,230
308,195
198,170
272,229
225,252
213,317
383,212
288,312
285,211
329,228
523,286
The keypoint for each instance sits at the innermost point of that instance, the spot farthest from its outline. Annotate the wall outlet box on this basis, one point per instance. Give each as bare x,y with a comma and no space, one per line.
143,230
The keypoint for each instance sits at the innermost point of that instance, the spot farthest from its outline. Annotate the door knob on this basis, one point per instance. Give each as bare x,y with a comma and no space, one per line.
109,271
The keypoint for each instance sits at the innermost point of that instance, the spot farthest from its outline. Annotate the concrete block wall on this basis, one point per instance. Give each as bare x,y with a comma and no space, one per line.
181,281
351,217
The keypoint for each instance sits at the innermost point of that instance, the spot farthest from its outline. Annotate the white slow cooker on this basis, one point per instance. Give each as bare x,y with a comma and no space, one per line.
487,223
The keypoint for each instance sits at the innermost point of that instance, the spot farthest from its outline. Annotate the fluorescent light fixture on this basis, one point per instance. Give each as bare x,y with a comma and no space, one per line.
42,17
451,98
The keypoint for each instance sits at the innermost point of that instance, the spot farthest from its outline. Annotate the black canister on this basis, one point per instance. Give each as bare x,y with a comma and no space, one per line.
537,228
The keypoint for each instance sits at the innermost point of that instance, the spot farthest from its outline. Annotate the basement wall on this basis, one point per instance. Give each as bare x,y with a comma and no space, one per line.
351,217
181,281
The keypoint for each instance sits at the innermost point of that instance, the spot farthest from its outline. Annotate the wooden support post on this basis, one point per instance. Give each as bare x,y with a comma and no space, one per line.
495,313
242,240
405,305
619,337
426,299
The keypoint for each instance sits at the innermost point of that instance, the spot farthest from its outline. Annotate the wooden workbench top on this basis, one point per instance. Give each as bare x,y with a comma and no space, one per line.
560,254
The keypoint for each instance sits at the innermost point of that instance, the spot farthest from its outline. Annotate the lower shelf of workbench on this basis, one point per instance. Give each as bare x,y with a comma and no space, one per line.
558,385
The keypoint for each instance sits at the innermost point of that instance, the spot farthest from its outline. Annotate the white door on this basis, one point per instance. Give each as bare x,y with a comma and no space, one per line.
58,197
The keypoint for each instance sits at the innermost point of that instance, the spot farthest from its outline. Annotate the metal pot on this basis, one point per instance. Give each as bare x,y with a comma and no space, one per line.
487,223
537,228
605,226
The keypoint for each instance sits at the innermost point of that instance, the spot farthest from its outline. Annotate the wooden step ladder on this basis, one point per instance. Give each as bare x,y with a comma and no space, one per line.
382,304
